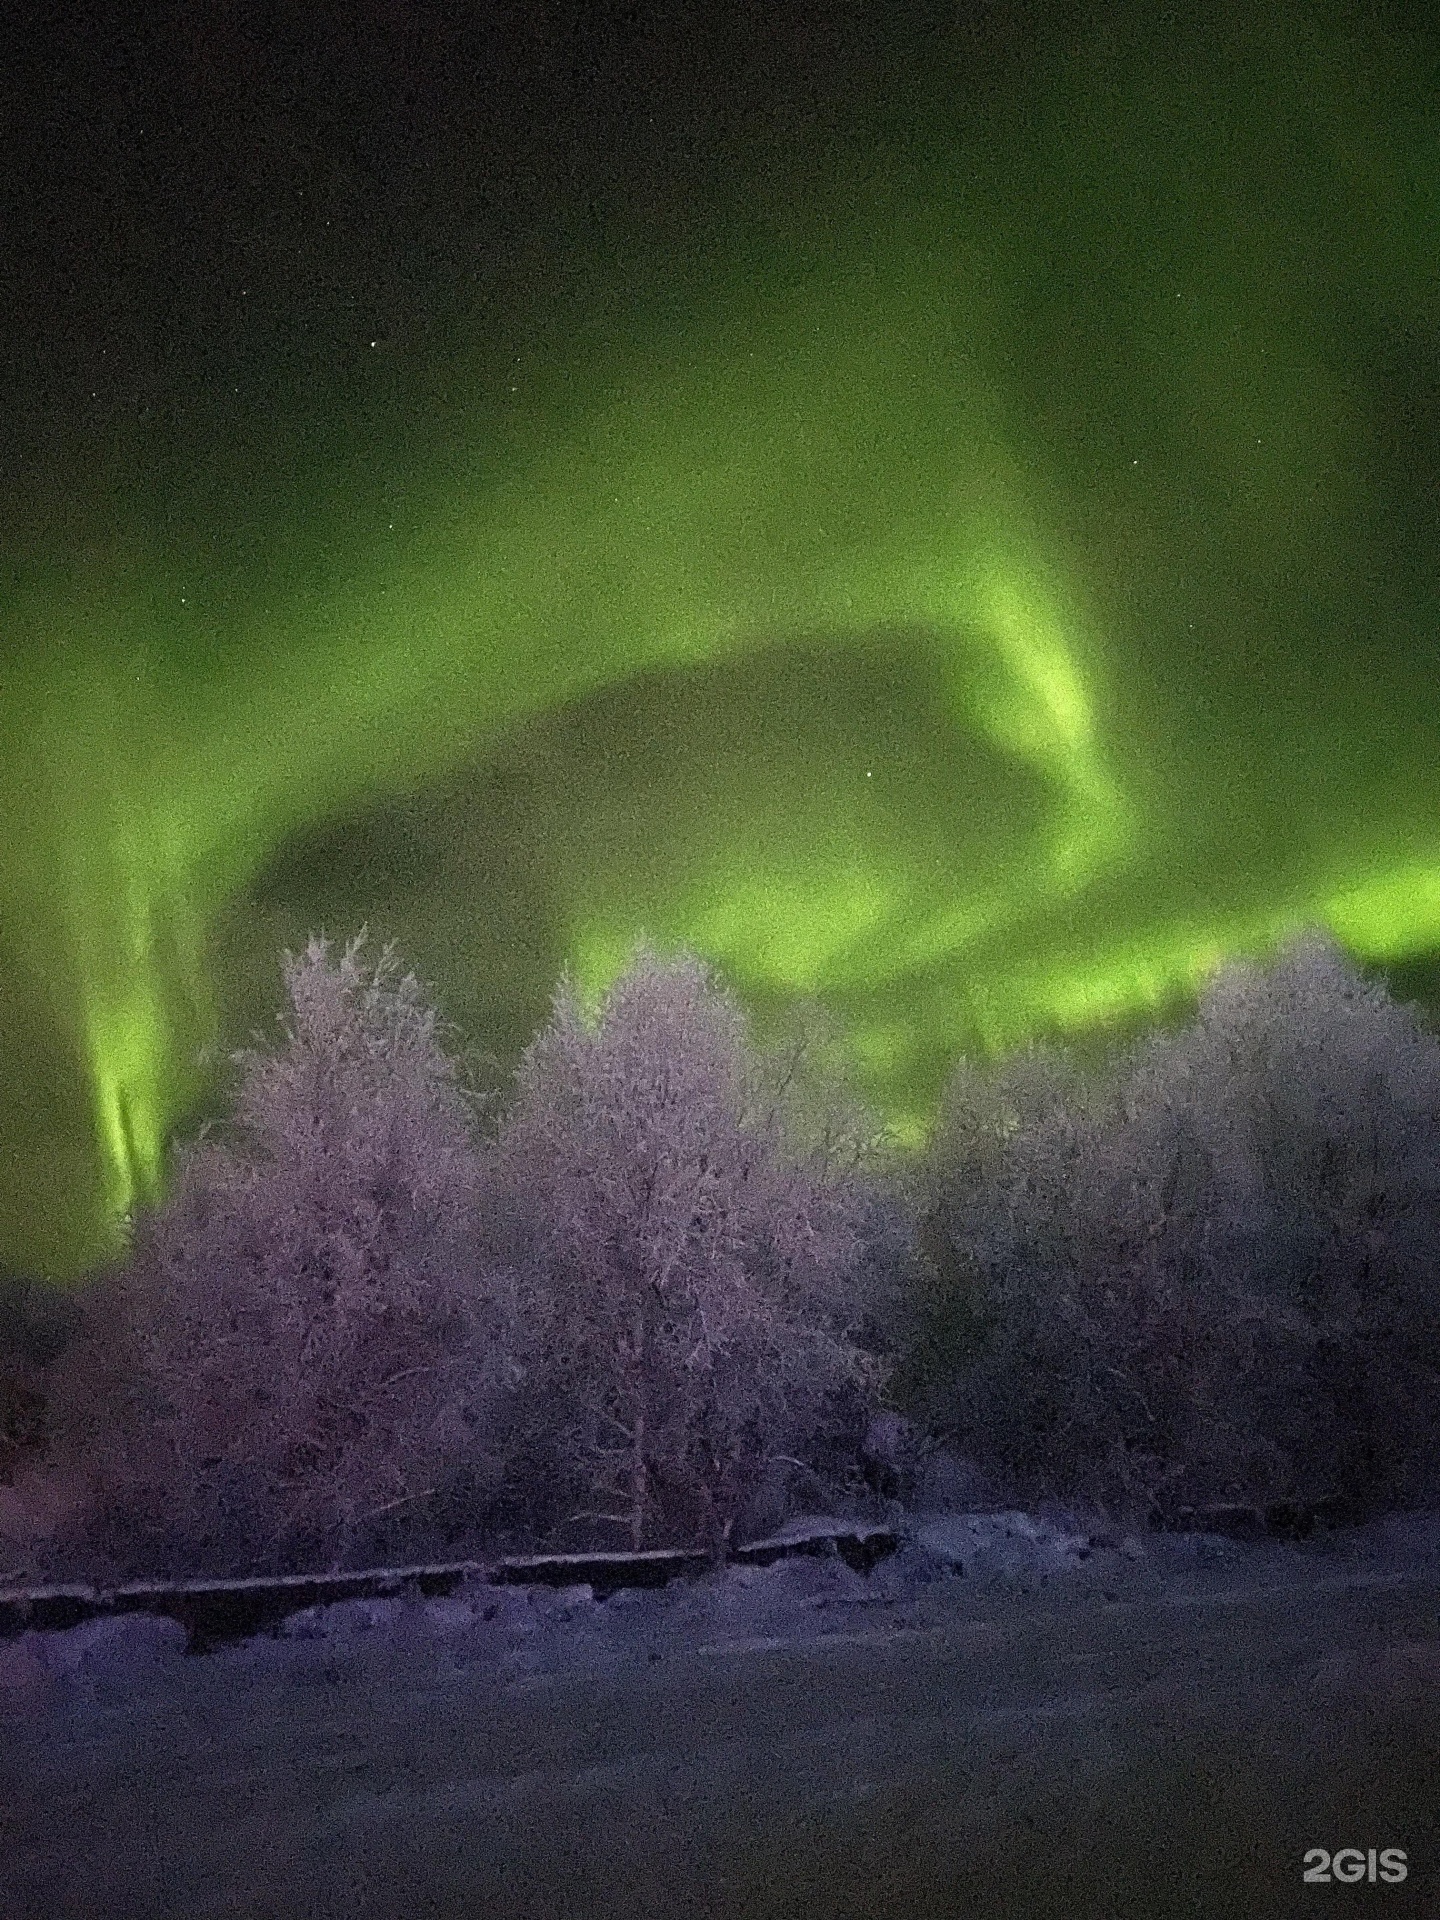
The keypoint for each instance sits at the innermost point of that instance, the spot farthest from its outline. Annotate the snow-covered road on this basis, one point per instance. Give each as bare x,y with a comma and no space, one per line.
1163,1732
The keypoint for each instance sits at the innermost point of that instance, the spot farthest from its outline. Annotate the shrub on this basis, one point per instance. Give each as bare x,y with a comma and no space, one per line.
705,1274
306,1339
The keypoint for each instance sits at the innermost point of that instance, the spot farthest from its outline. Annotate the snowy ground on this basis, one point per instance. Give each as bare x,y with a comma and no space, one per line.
1006,1716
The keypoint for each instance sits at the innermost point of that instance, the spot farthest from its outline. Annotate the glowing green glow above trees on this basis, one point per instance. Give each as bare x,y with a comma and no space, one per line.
1390,914
982,620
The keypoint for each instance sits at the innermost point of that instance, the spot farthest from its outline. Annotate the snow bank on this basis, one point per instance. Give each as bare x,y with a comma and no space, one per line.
999,1544
341,1619
803,1591
113,1648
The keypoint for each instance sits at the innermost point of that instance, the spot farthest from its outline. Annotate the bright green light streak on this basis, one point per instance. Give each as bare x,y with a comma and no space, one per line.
1390,915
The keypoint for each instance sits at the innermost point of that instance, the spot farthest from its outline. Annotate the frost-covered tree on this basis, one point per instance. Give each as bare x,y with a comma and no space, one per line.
1071,1356
1336,1090
305,1339
1208,1275
705,1274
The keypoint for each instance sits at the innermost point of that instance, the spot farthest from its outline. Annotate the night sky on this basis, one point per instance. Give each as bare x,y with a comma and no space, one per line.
934,508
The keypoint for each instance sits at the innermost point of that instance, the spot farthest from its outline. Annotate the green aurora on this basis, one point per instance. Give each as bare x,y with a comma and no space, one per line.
979,587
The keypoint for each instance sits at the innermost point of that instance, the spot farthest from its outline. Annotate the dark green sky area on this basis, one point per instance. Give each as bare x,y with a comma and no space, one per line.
936,509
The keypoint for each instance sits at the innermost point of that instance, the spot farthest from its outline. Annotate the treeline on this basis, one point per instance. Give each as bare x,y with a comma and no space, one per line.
676,1286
